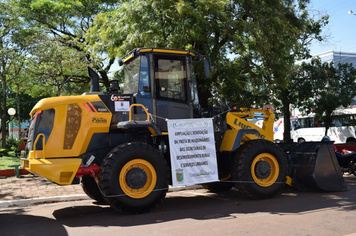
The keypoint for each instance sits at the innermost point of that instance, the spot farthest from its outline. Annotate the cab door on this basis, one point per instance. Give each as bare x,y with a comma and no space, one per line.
171,88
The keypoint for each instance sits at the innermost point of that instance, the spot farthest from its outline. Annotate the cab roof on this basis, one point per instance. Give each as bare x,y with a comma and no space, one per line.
135,52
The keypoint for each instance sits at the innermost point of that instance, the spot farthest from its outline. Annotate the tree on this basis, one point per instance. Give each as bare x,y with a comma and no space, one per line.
66,22
311,30
323,87
56,68
15,82
264,37
261,35
11,52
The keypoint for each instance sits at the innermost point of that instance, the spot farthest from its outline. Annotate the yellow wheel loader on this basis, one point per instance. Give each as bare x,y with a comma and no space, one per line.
117,142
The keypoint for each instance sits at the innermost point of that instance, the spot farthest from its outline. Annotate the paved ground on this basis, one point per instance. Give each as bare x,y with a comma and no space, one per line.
29,186
30,189
195,212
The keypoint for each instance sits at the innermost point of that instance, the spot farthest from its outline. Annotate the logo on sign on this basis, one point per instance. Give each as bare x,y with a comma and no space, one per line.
114,98
179,175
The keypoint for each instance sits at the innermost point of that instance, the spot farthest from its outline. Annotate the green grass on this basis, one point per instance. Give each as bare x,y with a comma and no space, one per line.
9,159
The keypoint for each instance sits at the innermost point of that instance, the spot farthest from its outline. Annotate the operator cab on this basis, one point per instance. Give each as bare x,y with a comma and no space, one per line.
162,80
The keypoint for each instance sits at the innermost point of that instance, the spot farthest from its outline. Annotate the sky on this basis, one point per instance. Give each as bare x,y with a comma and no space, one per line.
341,30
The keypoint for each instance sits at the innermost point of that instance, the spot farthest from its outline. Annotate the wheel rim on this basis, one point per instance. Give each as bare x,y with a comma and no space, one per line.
137,178
265,169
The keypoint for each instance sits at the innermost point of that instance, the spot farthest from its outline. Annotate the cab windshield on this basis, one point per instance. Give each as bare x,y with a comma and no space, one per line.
131,76
136,77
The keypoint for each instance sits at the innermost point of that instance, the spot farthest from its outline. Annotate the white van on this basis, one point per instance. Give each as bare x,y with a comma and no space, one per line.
309,129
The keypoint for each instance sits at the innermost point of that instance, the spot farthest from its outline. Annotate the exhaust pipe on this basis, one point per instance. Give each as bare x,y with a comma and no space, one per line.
94,87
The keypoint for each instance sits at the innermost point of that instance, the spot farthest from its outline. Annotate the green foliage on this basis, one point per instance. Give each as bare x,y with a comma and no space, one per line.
25,102
56,66
13,143
153,23
17,145
253,45
265,38
12,54
60,27
4,151
323,87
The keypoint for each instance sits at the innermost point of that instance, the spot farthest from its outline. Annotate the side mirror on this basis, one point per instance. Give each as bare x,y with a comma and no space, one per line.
206,67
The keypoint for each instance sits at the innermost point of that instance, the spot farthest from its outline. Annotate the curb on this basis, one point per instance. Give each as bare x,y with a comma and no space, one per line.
67,198
42,200
12,172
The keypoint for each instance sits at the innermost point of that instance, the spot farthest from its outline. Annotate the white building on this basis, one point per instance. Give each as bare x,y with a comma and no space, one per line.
336,57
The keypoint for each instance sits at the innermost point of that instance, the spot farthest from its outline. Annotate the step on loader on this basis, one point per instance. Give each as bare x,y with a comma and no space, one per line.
117,142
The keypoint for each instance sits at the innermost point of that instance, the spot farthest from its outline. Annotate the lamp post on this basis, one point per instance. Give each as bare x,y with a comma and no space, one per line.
12,112
351,12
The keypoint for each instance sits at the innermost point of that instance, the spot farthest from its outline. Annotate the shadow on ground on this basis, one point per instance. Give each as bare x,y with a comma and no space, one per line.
194,204
200,206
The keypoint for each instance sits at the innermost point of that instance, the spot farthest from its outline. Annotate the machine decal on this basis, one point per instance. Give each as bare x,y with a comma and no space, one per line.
100,107
89,106
95,107
121,102
99,120
245,126
242,125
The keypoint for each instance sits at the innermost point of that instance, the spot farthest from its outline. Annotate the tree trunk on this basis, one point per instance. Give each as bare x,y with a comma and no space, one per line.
286,117
3,114
18,110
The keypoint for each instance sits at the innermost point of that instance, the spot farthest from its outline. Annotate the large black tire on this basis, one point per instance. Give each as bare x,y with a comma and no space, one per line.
301,140
259,169
351,140
91,189
134,178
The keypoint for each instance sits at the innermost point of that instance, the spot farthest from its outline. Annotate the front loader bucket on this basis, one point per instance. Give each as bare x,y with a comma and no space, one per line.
313,165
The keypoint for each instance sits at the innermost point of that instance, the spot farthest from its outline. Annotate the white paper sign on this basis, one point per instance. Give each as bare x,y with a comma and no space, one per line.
192,149
122,105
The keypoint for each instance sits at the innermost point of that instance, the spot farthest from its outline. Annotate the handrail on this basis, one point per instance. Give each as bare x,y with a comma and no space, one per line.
138,105
43,144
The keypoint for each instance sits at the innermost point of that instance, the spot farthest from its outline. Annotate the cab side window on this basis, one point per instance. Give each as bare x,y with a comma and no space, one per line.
144,81
171,78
